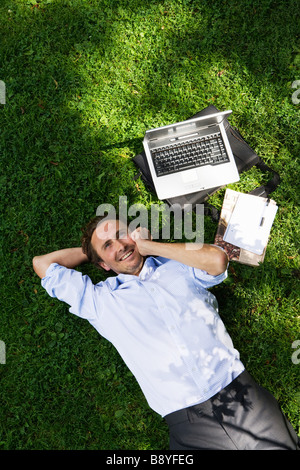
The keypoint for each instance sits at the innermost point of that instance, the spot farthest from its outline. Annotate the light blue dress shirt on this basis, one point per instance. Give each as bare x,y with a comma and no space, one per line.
165,325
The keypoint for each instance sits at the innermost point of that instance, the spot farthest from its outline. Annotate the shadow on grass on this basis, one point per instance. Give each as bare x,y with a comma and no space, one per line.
83,77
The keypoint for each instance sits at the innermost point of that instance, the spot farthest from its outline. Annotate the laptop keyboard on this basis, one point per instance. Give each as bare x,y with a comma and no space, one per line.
180,156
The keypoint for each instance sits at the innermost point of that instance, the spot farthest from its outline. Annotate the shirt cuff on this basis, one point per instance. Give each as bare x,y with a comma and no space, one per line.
208,280
50,270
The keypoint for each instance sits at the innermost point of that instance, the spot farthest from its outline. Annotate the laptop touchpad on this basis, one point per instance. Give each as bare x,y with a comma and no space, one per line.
189,176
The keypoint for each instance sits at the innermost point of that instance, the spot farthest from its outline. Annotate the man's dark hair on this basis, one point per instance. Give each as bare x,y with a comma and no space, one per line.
86,241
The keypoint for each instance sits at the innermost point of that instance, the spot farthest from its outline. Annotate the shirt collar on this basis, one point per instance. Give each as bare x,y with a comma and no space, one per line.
148,269
150,266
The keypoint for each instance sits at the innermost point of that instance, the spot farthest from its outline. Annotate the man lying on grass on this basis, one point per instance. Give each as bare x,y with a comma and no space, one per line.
158,313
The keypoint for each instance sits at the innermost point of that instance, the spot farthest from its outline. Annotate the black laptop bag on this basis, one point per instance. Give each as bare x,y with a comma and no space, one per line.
245,158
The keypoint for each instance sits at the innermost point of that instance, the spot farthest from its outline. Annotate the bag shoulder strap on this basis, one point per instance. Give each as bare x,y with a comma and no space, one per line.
245,158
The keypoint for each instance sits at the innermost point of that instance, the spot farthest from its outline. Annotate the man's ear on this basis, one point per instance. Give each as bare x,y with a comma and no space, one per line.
104,266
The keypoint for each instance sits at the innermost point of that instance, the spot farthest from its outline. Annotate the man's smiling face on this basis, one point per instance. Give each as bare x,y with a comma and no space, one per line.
116,249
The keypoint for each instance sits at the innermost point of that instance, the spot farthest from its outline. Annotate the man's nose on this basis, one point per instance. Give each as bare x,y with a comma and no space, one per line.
120,244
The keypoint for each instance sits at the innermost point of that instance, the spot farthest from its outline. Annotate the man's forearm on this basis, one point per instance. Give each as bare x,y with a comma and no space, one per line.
68,257
209,258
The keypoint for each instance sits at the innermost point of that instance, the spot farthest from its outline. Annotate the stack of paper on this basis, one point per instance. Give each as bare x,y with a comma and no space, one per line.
244,226
250,223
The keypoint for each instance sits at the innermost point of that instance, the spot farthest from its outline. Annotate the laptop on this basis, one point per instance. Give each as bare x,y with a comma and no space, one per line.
190,156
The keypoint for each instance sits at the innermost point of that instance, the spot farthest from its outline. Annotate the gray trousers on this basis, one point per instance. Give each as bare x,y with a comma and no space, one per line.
243,416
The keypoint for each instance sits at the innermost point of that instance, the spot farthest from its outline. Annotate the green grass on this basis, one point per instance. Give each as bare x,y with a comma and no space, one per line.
84,80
